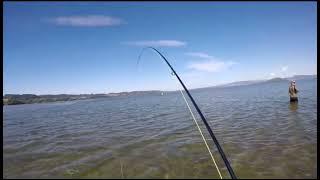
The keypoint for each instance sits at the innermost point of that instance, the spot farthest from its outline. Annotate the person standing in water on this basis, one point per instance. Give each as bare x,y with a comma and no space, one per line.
293,92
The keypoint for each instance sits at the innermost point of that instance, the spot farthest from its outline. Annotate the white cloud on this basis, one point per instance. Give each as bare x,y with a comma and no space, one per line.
284,68
158,43
272,74
210,66
87,21
199,54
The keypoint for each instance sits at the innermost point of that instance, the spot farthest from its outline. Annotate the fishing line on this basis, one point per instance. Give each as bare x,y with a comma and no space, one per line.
204,140
121,169
233,176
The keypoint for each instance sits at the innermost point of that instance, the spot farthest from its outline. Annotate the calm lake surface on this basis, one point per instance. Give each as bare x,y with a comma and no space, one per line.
154,136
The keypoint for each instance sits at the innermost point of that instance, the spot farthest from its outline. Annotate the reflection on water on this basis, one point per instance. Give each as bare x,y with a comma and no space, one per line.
154,136
293,106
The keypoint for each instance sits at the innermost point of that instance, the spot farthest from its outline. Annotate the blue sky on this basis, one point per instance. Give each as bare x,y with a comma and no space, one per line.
82,47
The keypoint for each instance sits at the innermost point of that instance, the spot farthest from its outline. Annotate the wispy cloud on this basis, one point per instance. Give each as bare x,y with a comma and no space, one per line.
158,43
284,68
208,63
199,55
210,66
87,21
280,72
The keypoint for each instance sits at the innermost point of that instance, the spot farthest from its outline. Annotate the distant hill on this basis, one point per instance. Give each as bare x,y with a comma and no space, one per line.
12,99
134,93
277,79
298,77
241,83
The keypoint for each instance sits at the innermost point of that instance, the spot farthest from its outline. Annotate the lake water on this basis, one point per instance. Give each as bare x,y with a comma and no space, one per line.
154,136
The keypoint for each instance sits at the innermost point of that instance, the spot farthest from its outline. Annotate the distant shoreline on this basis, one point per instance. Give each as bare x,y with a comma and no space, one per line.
15,99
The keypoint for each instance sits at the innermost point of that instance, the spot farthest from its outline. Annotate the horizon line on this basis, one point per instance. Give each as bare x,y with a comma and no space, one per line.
158,89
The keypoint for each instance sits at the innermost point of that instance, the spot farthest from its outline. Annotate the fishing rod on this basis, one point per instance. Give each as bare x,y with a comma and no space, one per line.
226,162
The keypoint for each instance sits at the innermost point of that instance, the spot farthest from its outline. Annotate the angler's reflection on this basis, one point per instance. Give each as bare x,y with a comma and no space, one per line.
293,106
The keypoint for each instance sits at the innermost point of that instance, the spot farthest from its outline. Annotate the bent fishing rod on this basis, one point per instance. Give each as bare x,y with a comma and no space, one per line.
226,162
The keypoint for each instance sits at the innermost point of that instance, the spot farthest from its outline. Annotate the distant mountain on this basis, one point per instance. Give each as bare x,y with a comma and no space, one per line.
277,79
134,93
241,83
298,77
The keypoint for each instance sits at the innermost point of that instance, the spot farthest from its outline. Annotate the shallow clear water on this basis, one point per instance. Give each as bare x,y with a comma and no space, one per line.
154,136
